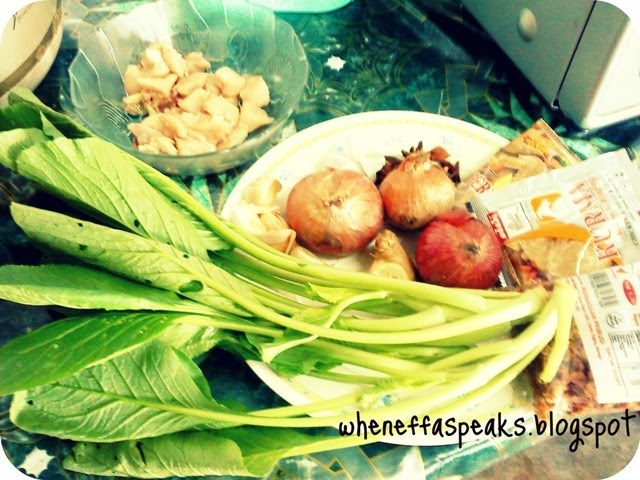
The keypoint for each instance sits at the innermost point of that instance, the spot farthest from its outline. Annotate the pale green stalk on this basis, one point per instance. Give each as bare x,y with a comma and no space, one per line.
431,317
564,299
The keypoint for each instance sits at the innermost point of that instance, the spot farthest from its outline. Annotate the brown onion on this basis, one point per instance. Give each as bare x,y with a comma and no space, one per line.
337,212
416,191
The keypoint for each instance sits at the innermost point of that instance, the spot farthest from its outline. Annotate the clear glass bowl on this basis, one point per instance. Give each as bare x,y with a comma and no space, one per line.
248,38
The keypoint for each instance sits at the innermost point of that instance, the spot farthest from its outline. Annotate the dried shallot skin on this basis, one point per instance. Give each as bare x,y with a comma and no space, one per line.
335,212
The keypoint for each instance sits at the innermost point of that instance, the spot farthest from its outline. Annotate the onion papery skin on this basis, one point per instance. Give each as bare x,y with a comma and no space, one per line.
335,212
415,192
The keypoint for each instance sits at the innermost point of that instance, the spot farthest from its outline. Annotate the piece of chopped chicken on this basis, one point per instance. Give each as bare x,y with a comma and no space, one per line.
152,63
229,81
167,124
194,101
214,127
162,86
133,104
131,76
159,145
196,62
254,117
174,60
220,105
195,143
255,91
143,134
188,84
238,135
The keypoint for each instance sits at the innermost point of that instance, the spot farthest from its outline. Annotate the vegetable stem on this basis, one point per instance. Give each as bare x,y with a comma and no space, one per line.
564,299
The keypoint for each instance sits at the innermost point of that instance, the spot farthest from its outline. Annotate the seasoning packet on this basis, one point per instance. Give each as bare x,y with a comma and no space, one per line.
571,221
536,150
601,370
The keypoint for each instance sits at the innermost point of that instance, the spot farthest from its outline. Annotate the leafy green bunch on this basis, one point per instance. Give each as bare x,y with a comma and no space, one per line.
153,279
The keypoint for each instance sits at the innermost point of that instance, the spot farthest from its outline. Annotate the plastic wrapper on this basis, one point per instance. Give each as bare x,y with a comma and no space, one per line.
535,151
576,220
582,224
601,370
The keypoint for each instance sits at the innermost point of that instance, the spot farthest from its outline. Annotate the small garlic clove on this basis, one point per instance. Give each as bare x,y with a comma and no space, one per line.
263,191
272,220
282,240
246,217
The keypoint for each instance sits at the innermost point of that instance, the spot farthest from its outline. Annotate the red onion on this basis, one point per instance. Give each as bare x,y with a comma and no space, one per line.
337,212
416,190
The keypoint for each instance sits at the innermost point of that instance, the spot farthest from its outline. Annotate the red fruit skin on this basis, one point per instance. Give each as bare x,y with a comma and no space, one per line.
457,250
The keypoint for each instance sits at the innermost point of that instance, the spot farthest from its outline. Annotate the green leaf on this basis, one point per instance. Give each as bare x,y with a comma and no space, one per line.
12,142
331,294
200,191
145,392
140,259
184,202
100,177
303,360
63,348
192,340
19,116
245,451
48,128
80,287
63,123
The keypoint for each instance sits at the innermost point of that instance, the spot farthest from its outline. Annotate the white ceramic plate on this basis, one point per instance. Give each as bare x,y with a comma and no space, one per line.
360,142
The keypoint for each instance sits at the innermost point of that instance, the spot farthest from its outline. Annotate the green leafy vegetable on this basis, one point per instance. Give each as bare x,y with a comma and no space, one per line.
185,280
144,260
246,451
140,392
65,347
13,142
108,184
68,127
78,287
